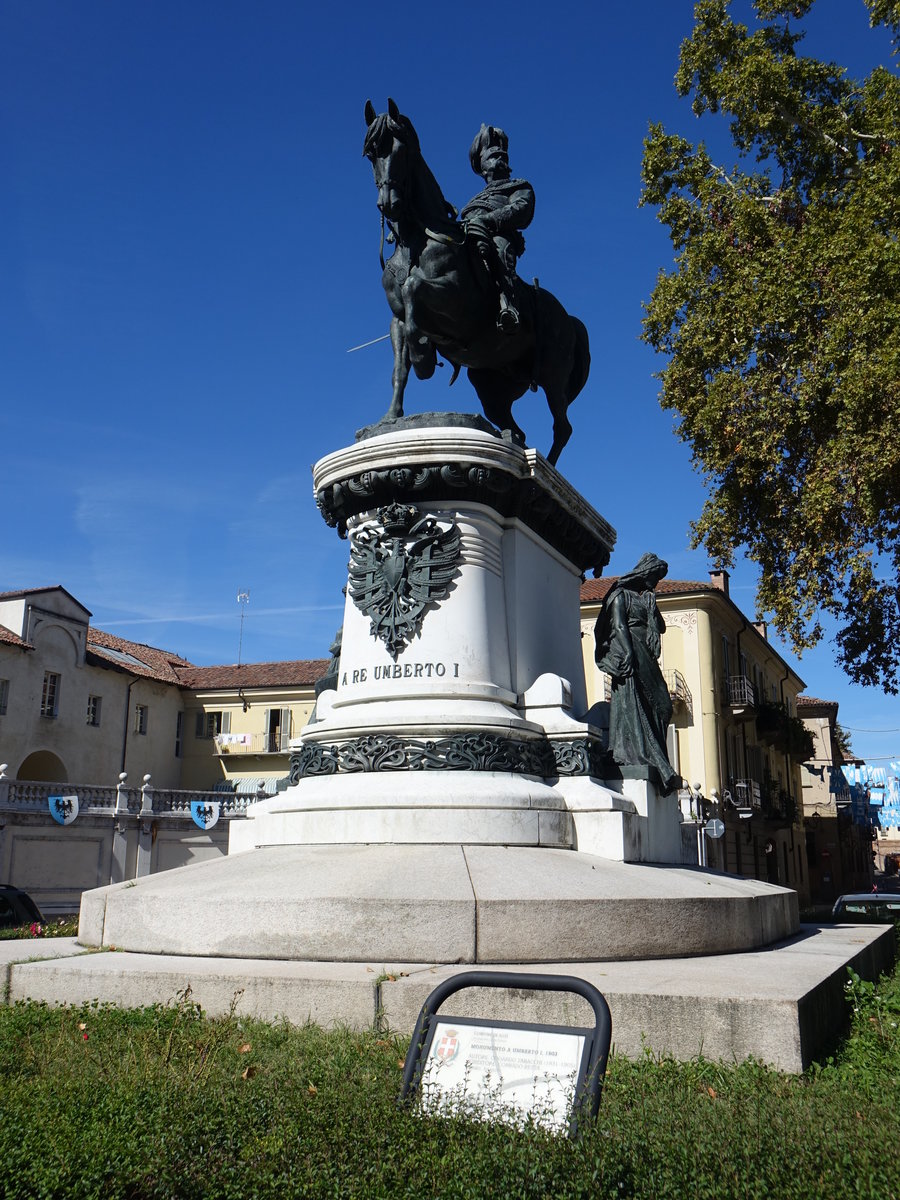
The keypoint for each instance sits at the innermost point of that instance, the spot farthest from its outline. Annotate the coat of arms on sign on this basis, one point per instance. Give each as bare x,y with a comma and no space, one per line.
448,1047
399,564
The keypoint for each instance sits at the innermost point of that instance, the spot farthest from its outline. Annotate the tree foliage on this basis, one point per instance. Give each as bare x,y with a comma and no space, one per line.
843,741
781,320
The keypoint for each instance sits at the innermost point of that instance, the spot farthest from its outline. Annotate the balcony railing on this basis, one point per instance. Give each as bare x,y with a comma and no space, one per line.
27,796
747,793
679,691
179,802
740,695
252,743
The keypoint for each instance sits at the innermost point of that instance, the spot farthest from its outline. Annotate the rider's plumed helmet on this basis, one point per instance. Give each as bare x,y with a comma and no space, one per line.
488,136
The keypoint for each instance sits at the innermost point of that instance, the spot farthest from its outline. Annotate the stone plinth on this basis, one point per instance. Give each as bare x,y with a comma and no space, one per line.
436,904
453,720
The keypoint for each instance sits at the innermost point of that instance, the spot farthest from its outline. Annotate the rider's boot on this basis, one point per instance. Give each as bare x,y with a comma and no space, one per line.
508,318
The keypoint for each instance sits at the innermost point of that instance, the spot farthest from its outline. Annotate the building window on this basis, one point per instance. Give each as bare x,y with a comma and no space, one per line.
211,724
50,695
4,696
278,729
93,710
179,733
140,718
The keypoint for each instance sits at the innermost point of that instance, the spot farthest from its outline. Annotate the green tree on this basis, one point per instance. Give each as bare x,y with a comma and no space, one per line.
781,320
842,741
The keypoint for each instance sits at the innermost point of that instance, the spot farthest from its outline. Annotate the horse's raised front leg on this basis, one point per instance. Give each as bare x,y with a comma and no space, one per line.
401,369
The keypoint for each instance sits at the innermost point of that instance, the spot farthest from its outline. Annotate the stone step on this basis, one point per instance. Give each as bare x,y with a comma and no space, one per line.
782,1004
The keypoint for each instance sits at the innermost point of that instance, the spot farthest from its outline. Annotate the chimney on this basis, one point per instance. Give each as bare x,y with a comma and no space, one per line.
719,579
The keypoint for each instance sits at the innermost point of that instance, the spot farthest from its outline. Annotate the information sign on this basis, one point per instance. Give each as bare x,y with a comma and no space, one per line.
503,1071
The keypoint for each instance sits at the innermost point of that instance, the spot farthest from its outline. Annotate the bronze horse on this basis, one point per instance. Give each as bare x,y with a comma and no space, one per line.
442,301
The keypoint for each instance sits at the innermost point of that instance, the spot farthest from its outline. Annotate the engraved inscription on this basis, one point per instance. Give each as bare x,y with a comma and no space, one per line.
389,672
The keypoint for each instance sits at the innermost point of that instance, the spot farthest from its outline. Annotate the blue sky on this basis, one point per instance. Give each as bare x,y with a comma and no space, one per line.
189,246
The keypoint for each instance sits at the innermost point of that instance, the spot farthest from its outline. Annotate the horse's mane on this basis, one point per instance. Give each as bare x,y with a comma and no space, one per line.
438,211
400,128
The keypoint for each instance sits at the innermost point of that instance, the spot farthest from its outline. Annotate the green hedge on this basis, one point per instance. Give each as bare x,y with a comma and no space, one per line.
101,1103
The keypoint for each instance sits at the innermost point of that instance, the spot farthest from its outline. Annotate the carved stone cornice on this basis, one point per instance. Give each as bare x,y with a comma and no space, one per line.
429,483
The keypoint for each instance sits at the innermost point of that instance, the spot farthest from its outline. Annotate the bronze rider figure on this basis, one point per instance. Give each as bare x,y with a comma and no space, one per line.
496,216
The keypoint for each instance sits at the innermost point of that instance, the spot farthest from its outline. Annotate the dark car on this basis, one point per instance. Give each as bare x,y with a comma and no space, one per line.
17,907
866,907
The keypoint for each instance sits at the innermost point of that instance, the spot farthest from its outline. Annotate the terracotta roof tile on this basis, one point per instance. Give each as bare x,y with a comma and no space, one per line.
596,589
140,659
812,702
12,639
298,673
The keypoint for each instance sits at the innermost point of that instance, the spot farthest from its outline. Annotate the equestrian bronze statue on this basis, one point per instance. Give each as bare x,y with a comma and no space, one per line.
452,285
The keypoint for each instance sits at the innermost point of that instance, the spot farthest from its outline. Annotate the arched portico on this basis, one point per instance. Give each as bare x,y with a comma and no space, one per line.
43,766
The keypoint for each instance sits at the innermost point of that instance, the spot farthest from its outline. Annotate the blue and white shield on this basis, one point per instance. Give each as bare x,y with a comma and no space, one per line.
205,813
63,809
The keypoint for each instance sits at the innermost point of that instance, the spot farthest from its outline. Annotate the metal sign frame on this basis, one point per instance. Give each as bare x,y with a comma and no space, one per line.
595,1054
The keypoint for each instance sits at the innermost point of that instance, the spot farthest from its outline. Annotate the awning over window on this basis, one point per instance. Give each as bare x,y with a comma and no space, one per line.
248,785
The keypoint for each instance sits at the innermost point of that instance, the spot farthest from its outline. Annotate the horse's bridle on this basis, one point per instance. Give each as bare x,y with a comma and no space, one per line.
402,190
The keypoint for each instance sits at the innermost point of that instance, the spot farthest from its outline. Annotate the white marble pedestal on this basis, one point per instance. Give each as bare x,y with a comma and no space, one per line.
465,732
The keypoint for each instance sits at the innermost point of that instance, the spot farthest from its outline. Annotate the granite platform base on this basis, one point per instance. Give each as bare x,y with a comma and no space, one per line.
435,903
783,1004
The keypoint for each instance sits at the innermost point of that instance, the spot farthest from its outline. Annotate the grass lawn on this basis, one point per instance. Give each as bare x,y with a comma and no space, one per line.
161,1102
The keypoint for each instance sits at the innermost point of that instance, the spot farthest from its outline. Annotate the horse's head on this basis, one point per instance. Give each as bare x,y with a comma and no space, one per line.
391,145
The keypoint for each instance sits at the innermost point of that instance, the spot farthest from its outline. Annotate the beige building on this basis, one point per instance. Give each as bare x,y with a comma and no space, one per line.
839,836
730,690
239,722
119,759
79,704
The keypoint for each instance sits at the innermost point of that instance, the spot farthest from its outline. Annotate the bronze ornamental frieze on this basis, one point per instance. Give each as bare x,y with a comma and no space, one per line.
540,757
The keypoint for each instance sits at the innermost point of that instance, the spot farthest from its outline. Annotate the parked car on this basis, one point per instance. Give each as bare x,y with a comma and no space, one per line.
17,907
866,907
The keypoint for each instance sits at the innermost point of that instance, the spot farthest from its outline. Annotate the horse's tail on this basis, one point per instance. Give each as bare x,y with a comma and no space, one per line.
581,361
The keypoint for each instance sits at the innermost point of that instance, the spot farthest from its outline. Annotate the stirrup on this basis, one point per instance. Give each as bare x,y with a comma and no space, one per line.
508,320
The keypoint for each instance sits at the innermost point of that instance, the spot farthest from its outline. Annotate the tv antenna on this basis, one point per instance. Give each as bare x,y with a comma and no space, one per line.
243,599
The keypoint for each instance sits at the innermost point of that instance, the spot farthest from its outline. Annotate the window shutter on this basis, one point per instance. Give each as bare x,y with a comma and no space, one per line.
201,724
285,728
226,722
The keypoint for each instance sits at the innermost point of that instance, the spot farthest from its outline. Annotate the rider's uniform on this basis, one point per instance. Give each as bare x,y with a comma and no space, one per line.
503,209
